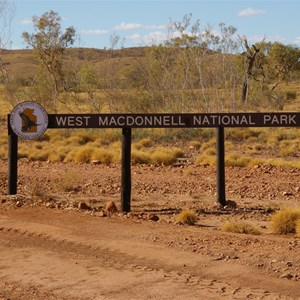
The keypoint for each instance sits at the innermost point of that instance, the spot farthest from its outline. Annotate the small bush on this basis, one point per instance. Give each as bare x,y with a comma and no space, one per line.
84,138
298,227
187,217
237,134
195,144
84,154
145,142
291,95
165,155
38,155
205,159
236,160
67,183
37,189
140,157
288,149
240,227
102,155
284,221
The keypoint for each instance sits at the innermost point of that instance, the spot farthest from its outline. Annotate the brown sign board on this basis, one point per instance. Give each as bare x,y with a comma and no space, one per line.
284,119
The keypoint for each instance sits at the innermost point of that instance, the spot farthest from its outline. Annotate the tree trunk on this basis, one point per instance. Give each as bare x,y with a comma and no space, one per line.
250,54
245,90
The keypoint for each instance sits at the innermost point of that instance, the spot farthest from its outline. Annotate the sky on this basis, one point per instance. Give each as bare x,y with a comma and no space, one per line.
144,22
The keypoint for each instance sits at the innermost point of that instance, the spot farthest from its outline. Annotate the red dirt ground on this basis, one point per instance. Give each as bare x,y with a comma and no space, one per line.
54,247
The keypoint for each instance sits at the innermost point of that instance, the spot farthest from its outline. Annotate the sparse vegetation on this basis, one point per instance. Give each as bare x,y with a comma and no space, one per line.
240,227
188,217
298,227
245,147
159,155
285,220
195,144
67,183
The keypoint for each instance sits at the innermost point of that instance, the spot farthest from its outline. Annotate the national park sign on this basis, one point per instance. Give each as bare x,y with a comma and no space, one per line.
174,120
29,120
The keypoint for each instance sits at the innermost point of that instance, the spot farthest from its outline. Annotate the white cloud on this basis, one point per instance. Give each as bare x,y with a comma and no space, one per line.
152,38
26,21
132,26
250,12
128,26
297,40
93,31
16,47
135,38
278,38
270,38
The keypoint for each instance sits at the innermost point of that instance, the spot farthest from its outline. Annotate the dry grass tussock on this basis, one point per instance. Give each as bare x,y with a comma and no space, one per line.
245,147
188,217
273,146
298,227
240,227
286,221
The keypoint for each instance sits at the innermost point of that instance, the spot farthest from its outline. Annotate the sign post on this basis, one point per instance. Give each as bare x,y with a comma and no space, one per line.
12,176
29,120
221,195
126,170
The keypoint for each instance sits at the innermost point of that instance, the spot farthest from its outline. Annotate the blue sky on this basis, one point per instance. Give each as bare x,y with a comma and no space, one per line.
143,22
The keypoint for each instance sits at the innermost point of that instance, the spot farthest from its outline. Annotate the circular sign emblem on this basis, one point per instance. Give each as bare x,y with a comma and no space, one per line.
29,120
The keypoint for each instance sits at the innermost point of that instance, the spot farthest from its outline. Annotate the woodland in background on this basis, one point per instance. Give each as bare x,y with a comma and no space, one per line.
194,70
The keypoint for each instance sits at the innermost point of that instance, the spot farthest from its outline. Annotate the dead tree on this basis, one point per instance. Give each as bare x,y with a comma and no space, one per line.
250,54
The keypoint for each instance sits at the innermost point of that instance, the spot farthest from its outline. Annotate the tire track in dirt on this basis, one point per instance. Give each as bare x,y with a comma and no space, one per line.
83,268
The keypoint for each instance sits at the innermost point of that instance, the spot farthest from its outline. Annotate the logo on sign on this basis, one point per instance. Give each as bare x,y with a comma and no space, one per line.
29,120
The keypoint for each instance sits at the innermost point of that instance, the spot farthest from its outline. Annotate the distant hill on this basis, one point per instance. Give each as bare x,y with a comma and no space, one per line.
22,63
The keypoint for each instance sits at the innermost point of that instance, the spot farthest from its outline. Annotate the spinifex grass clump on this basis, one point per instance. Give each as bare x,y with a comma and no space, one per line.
159,155
298,227
240,227
188,217
67,182
285,220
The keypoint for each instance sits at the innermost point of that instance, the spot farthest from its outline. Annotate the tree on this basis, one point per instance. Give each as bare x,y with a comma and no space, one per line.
193,70
7,12
87,79
49,42
267,65
283,59
250,54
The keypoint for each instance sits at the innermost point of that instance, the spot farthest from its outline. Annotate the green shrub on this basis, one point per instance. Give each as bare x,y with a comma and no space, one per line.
284,221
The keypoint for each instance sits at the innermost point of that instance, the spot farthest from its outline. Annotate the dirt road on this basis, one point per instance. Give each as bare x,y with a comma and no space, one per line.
51,254
50,249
